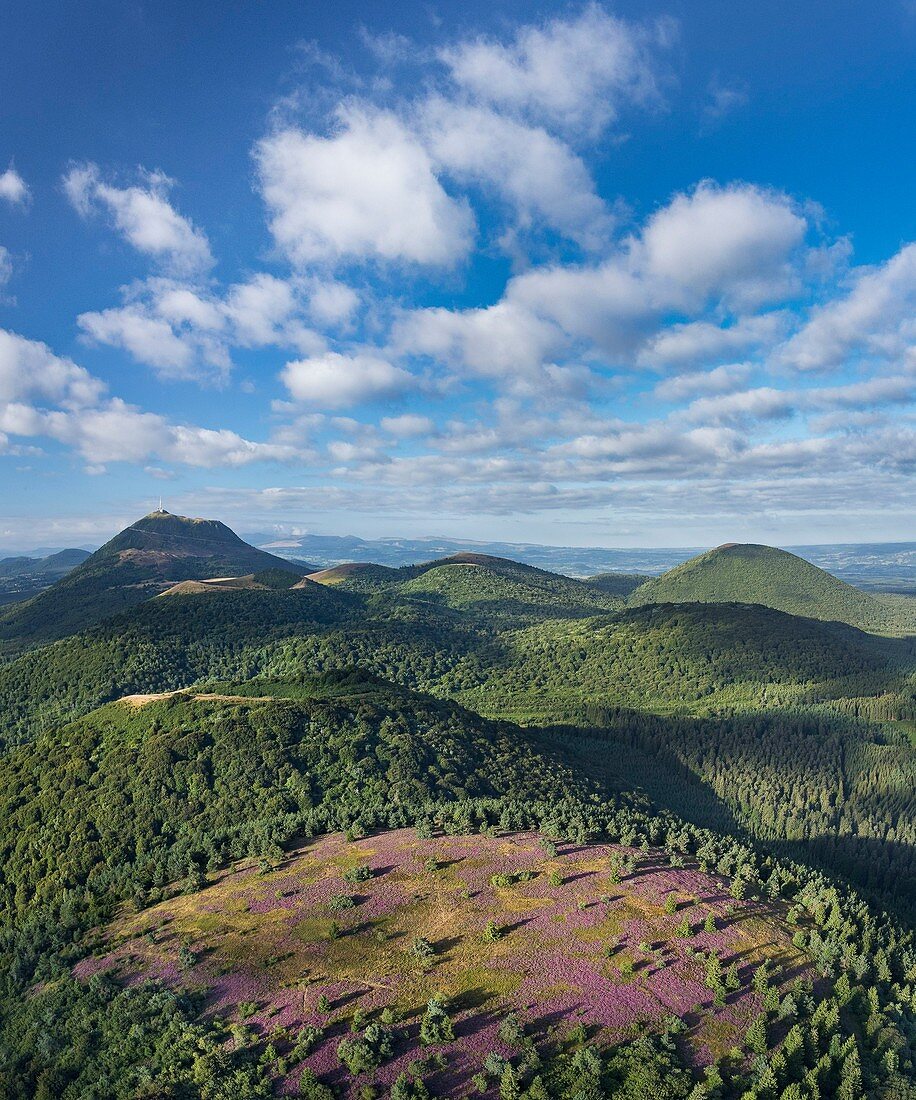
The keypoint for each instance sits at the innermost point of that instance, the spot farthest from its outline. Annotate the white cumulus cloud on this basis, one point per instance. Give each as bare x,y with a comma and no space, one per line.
148,339
366,191
408,426
501,341
334,380
763,403
43,395
575,73
876,317
724,379
144,216
734,240
704,342
535,173
13,188
29,368
186,331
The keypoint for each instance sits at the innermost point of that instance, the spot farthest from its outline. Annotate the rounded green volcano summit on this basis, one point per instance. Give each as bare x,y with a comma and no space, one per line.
750,573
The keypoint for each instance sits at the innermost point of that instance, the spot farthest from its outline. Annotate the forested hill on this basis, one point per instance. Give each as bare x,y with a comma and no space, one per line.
349,747
688,658
61,562
486,585
155,552
723,663
144,802
504,589
470,694
748,573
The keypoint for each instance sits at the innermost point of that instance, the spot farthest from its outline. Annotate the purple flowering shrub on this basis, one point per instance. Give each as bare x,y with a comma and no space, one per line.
589,940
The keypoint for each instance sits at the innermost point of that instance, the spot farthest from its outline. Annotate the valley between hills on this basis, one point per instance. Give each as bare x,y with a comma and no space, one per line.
466,827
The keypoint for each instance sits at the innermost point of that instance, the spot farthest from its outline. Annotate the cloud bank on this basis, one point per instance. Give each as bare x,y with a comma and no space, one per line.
451,315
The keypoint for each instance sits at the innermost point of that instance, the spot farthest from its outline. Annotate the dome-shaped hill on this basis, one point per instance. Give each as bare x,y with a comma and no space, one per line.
498,586
496,921
463,583
21,578
490,561
502,566
61,562
201,548
748,573
154,553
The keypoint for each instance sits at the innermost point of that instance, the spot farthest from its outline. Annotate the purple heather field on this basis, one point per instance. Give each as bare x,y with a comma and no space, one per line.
570,951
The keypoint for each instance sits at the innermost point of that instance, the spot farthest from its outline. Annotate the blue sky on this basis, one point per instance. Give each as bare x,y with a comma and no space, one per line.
584,274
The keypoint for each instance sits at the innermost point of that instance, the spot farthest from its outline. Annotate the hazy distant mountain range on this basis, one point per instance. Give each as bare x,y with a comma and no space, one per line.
890,566
23,576
328,550
886,566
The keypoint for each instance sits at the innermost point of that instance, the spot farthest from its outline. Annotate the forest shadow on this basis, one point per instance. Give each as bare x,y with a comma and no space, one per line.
884,871
656,756
610,757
